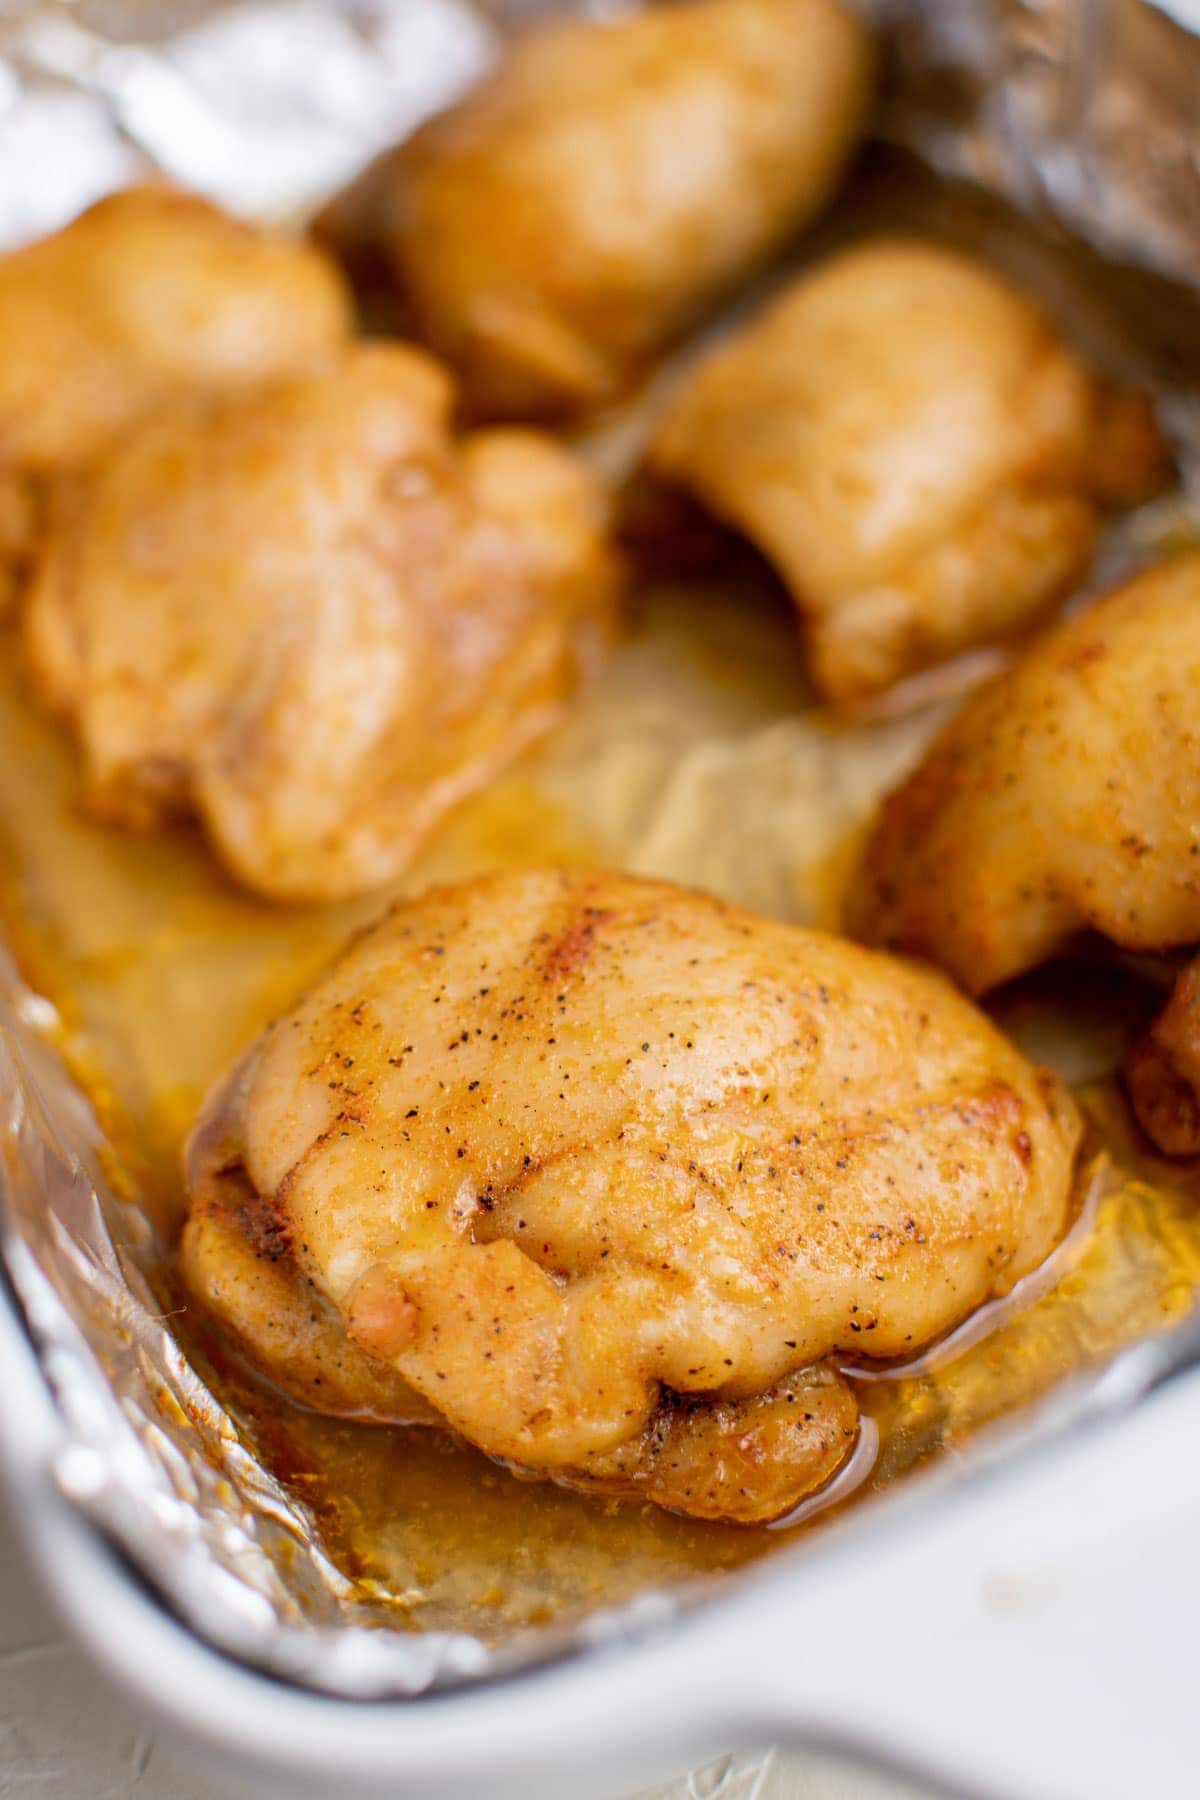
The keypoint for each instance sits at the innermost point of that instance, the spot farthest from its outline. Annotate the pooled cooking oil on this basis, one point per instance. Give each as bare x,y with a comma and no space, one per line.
697,755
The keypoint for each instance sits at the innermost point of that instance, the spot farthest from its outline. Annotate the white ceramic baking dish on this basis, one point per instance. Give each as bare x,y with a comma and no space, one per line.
1020,1623
1017,1623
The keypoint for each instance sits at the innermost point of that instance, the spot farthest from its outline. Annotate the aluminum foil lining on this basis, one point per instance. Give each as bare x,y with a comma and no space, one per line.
1083,112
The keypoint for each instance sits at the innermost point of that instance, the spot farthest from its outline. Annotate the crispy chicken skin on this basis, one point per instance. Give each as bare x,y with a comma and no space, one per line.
614,1175
315,620
147,295
1064,794
606,184
907,441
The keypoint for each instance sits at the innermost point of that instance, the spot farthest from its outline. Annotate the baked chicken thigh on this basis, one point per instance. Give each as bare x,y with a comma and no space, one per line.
1065,794
313,619
610,1178
149,294
910,445
598,191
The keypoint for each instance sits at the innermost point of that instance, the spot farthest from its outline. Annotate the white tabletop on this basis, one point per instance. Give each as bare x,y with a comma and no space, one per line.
63,1736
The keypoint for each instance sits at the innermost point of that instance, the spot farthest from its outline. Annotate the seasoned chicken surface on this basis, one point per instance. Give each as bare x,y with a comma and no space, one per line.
615,1176
149,294
237,1256
907,441
312,618
600,190
1065,794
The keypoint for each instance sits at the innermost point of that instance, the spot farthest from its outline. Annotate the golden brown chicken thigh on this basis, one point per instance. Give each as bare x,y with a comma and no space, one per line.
1065,794
907,441
313,619
606,184
149,294
613,1176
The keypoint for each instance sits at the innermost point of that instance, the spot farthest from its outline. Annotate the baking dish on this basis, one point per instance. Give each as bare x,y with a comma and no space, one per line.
1020,1625
915,1633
